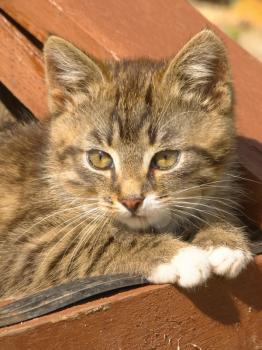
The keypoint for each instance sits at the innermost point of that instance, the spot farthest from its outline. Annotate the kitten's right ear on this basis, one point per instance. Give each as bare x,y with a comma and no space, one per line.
68,71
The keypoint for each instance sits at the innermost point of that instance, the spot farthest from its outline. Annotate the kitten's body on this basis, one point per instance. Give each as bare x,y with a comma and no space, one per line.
60,219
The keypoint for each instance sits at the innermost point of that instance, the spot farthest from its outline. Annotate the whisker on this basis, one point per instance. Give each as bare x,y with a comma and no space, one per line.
244,178
201,186
188,213
219,218
56,213
42,241
207,200
91,225
207,206
47,253
183,217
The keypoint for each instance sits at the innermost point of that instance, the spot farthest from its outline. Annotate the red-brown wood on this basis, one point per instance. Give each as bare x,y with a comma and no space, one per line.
224,315
21,68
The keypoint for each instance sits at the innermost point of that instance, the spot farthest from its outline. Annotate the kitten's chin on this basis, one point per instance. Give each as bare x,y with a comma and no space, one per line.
157,221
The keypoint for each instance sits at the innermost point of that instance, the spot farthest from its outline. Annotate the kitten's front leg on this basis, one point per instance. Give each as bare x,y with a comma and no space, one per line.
227,248
163,259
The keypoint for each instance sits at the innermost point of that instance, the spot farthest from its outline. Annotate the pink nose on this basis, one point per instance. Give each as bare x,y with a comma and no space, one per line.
132,203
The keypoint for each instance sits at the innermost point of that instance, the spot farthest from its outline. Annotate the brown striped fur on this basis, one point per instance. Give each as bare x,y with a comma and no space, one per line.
59,219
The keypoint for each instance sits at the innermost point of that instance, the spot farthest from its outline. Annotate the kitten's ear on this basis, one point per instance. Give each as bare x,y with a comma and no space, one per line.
200,72
68,71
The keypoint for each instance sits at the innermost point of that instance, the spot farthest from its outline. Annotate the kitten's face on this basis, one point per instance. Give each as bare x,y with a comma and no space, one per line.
136,139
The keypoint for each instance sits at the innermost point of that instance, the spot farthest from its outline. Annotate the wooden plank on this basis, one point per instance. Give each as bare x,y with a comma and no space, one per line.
45,17
221,315
21,68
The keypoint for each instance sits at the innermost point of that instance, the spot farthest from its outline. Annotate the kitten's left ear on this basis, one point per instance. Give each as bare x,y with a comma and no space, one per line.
68,71
200,72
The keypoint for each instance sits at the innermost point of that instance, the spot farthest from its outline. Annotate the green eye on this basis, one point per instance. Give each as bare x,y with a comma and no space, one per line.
164,160
99,159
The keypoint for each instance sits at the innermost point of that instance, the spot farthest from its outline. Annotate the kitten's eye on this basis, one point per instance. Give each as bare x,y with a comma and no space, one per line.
99,159
164,160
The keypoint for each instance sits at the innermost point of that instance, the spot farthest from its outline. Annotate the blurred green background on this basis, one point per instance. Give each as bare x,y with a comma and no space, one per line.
240,19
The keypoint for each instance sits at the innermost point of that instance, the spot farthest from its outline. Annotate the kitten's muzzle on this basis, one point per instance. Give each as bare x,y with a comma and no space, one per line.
132,203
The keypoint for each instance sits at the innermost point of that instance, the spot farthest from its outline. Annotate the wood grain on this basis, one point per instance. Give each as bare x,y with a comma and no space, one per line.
21,68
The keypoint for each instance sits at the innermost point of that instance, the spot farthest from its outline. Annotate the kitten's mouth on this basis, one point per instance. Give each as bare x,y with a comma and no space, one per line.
139,221
148,214
136,215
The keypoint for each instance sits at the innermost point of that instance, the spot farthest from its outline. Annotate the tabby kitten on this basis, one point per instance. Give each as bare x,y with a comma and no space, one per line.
135,173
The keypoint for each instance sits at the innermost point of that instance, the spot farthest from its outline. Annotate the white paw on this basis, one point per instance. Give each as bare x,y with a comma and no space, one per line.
228,262
189,268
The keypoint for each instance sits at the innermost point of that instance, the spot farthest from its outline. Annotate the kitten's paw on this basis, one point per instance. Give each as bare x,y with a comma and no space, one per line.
228,262
189,268
192,267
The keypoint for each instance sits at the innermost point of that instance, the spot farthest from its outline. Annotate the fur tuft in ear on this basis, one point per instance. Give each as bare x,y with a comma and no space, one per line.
200,71
68,71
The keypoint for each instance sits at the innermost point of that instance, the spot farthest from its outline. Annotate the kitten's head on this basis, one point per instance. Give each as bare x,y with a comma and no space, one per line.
141,141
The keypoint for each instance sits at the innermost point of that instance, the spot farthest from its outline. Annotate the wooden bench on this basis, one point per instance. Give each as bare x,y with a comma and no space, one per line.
223,315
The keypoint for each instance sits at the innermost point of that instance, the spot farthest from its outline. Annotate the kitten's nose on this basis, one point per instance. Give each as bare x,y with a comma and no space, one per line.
132,203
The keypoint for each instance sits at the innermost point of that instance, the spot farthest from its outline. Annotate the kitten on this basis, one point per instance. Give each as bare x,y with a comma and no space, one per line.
135,173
